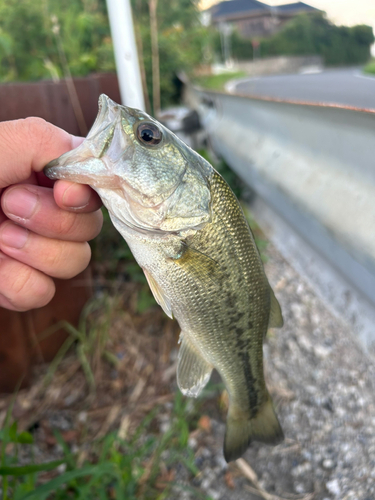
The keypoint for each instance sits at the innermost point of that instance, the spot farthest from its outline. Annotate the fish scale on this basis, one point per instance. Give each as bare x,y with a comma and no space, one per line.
228,241
187,231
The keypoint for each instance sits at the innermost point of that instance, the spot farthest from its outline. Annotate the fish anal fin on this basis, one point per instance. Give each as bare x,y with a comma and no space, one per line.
193,372
242,430
276,317
158,294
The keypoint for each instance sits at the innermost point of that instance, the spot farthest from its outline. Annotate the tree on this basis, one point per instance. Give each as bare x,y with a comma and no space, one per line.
241,48
27,47
310,34
182,41
29,50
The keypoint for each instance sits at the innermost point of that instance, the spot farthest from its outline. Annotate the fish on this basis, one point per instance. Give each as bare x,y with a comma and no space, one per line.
187,231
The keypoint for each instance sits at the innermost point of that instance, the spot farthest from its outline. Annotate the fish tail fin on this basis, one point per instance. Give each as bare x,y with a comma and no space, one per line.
242,429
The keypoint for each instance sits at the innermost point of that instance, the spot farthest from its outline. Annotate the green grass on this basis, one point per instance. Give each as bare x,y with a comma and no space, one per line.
115,468
217,82
370,68
89,340
126,469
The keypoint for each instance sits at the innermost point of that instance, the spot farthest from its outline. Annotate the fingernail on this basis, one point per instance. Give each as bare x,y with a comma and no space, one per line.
76,197
76,141
20,203
14,236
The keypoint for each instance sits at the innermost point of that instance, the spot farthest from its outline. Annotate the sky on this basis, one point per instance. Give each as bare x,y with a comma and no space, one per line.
345,12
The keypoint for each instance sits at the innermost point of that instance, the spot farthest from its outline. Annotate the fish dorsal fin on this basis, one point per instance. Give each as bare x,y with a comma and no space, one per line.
193,372
276,317
159,295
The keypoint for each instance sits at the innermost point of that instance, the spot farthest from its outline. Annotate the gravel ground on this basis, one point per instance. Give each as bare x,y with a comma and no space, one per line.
323,386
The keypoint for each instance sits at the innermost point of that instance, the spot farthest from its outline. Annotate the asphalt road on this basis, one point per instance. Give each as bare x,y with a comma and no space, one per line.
340,86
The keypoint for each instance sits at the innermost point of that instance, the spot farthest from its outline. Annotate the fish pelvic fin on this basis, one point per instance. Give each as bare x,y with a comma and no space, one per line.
159,295
276,317
241,430
193,372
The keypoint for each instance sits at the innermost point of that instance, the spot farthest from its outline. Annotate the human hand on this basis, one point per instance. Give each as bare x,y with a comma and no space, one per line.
44,226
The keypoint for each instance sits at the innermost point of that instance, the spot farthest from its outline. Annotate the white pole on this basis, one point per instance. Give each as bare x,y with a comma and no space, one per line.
125,49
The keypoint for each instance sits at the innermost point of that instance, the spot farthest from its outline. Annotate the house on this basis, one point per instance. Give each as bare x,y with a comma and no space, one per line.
254,19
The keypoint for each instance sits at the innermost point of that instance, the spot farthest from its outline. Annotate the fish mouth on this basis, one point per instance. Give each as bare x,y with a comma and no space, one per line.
102,160
105,161
86,163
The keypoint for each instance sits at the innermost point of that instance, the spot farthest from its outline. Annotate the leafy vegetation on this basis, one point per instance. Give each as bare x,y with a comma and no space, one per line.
130,468
217,82
370,67
28,33
309,34
183,42
89,340
241,48
137,461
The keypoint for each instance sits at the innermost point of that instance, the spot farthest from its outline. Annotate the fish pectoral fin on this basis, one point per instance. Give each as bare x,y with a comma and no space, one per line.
204,269
276,317
159,295
241,429
193,372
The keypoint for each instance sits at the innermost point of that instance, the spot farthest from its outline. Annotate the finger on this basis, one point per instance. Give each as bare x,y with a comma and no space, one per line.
56,258
34,208
21,287
76,197
29,144
30,180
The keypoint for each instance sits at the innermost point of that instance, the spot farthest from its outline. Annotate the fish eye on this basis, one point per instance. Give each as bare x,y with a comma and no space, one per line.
149,134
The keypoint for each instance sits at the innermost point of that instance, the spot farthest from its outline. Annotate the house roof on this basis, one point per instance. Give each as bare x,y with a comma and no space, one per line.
231,8
300,6
236,6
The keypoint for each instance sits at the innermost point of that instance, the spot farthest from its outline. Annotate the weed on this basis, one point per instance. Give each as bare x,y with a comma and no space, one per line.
370,67
145,299
217,82
141,466
89,339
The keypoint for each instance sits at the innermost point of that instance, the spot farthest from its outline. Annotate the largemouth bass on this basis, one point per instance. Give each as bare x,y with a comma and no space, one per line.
187,231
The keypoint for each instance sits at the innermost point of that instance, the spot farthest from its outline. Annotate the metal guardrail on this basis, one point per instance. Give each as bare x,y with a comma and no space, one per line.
314,164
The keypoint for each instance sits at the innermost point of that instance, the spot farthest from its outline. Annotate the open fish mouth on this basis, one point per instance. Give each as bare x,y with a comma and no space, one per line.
140,169
87,164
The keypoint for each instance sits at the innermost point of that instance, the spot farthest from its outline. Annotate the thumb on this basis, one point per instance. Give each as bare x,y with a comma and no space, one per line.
27,145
